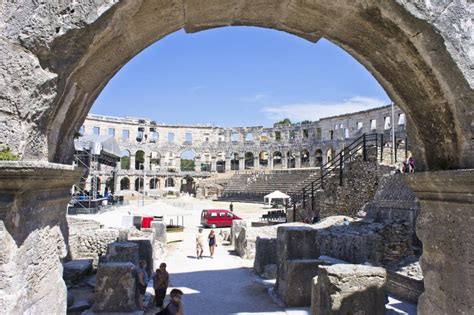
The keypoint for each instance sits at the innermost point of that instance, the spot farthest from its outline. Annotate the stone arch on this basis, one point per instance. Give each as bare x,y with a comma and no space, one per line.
125,159
139,160
431,81
187,160
125,183
423,68
234,161
188,185
249,160
169,182
277,160
139,184
330,154
220,162
290,159
263,159
304,157
154,183
155,160
318,158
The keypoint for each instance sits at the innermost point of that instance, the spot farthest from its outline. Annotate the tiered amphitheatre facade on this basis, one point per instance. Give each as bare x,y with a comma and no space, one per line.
153,151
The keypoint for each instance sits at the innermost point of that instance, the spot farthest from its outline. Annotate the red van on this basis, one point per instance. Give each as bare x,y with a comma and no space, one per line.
214,218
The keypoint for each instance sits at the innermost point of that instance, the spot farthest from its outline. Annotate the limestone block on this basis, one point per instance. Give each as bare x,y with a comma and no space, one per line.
265,253
123,252
115,290
446,228
145,252
74,270
349,289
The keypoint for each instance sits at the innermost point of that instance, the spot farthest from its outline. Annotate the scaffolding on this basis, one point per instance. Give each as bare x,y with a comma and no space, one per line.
91,152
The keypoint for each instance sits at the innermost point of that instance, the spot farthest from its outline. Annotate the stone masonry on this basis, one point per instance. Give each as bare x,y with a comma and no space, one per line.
56,56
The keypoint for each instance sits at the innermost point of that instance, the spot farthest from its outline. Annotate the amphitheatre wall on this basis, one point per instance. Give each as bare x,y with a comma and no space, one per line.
56,57
224,149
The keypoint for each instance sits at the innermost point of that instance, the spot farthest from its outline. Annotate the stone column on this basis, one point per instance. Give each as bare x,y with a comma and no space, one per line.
297,161
256,162
284,163
446,228
312,161
132,162
241,163
270,162
227,165
197,164
213,164
33,236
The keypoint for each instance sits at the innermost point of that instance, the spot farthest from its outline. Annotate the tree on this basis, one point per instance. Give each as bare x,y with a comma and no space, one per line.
187,165
125,162
285,121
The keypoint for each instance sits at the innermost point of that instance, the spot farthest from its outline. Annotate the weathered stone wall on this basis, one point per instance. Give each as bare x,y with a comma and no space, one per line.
349,289
33,236
359,184
393,201
50,49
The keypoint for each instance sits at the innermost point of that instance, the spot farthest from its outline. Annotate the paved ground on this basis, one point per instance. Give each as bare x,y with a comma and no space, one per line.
225,284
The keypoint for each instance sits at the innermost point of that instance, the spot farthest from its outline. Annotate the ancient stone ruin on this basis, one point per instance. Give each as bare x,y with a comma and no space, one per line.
55,58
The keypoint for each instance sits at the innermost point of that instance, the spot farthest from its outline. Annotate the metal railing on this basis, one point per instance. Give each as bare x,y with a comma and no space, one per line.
334,167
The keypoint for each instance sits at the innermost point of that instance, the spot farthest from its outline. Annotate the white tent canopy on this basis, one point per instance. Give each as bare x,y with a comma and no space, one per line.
275,195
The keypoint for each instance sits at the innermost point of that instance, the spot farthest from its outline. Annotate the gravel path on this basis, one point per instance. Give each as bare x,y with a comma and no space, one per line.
225,284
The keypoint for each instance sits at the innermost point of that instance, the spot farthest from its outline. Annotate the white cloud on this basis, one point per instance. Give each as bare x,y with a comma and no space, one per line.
258,97
315,111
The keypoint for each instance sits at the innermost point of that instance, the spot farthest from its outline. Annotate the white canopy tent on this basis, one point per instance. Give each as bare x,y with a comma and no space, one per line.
275,195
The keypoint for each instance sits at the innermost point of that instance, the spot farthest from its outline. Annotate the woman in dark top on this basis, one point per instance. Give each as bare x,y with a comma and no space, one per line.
212,242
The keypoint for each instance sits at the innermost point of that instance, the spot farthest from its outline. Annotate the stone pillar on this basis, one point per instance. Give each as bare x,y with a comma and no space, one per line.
227,165
284,163
213,164
297,160
241,163
33,236
197,164
312,161
445,226
270,162
132,162
117,184
256,162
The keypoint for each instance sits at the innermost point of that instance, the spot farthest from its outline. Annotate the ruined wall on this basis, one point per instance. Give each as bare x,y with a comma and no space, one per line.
393,201
359,184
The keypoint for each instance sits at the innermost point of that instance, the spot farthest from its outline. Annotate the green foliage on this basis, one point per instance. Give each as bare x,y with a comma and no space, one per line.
7,155
285,121
305,122
125,162
187,165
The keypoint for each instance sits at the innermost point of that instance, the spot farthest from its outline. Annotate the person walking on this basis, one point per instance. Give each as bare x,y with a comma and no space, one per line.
212,242
160,284
231,207
175,306
142,279
199,244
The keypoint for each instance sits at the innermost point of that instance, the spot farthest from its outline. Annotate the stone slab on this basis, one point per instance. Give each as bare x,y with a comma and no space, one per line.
74,270
123,252
115,290
348,289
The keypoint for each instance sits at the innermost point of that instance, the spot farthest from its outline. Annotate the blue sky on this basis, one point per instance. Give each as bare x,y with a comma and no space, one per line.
239,76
